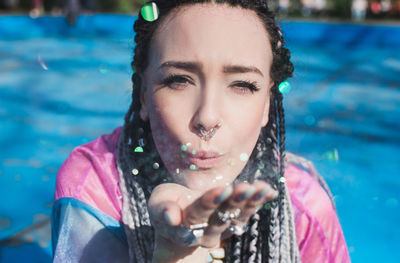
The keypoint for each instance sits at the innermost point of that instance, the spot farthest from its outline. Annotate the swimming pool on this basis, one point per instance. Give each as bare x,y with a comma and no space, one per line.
63,86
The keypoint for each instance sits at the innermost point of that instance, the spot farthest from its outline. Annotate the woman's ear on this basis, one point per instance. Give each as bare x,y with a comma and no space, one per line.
265,117
144,112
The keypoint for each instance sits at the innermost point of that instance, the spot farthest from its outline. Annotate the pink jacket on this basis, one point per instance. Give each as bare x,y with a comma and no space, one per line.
90,175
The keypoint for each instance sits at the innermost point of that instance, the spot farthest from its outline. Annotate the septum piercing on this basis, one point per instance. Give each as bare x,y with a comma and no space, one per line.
207,134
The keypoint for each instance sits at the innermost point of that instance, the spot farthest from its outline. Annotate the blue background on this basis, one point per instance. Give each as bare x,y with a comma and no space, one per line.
62,86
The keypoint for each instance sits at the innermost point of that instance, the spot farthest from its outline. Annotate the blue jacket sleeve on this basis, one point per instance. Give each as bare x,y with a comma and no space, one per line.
81,233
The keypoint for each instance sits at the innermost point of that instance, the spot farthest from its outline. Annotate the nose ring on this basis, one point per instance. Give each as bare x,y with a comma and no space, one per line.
207,134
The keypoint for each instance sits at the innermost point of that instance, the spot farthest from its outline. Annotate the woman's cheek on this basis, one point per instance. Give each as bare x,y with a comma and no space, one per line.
247,123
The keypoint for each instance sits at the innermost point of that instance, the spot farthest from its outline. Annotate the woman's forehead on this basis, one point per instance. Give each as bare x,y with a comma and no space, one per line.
213,32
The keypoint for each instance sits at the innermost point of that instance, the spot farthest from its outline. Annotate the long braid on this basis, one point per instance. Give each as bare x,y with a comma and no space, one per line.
289,241
252,255
284,228
130,216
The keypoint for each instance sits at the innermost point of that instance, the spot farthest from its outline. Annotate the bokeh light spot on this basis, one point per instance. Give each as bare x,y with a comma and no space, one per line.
244,157
41,63
332,155
150,12
309,120
284,87
138,149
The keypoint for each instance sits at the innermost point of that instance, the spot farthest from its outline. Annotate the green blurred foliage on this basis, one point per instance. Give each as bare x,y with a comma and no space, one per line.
340,8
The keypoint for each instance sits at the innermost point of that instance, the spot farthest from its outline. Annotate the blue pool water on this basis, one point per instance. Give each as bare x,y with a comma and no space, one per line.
63,86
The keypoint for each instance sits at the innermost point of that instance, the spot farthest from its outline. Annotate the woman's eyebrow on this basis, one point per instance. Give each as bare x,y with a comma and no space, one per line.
231,69
196,67
188,66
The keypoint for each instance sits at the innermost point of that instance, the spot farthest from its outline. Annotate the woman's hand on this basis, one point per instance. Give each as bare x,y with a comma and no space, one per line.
173,205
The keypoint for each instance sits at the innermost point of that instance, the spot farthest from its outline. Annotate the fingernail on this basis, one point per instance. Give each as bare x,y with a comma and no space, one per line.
263,193
168,218
243,196
225,194
275,194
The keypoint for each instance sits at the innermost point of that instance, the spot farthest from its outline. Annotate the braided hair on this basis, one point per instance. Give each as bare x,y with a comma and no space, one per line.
271,234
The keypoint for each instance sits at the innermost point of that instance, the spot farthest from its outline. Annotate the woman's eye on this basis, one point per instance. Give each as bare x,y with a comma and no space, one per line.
177,81
244,87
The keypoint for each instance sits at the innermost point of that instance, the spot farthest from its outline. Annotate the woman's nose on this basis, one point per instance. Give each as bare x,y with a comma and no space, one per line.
208,113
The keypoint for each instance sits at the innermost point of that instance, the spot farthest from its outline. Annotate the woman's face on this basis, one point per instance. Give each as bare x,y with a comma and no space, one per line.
209,66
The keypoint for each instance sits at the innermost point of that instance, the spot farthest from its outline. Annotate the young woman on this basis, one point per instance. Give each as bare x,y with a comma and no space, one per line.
198,173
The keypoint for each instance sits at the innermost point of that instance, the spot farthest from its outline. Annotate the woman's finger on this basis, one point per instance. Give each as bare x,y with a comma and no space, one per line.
201,209
232,207
264,193
163,206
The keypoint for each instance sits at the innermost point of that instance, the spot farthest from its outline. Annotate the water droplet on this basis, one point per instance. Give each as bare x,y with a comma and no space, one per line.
269,141
183,155
156,166
219,177
183,148
193,152
282,179
189,197
135,171
150,12
192,167
138,149
188,144
244,157
177,171
284,87
261,166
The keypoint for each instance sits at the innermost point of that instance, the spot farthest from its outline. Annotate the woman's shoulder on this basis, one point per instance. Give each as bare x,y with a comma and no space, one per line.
307,186
90,175
318,231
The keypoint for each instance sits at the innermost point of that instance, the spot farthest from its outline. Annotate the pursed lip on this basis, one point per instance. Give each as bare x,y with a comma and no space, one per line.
205,159
205,154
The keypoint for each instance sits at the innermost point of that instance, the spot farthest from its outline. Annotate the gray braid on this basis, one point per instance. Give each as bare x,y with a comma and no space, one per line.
254,236
135,215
